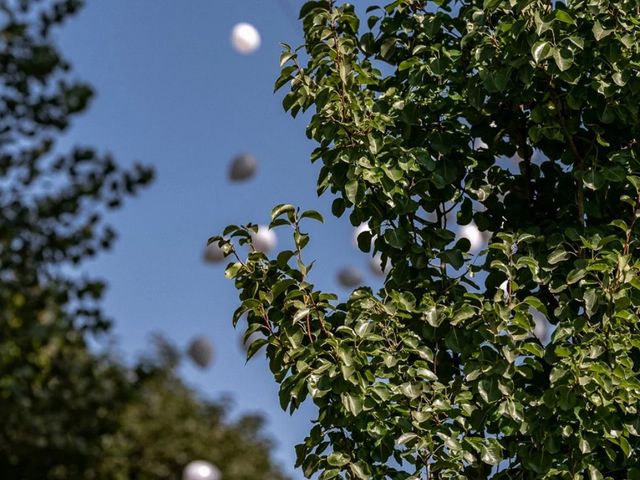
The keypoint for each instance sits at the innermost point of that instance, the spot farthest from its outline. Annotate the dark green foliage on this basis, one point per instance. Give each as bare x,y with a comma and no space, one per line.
439,374
67,413
56,398
167,425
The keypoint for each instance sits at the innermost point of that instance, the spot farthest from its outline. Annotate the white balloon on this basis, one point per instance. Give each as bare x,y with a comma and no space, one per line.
350,277
375,264
473,234
363,227
264,240
213,253
201,470
541,328
245,38
505,290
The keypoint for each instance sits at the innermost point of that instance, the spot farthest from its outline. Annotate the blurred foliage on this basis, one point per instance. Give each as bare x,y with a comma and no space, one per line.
67,412
167,425
518,115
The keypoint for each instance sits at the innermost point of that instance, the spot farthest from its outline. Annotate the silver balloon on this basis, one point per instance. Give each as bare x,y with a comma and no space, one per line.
201,470
264,240
504,286
201,352
541,328
245,38
375,265
213,253
486,235
350,277
473,234
243,167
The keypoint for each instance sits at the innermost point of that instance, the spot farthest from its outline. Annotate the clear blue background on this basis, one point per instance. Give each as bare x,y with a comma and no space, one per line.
174,94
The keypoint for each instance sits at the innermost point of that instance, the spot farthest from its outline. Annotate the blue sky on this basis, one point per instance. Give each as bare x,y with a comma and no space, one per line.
172,93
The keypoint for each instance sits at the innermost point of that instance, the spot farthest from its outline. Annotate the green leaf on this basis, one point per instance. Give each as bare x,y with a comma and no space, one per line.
351,190
576,275
361,470
536,303
352,403
599,32
431,316
593,180
282,209
338,459
488,389
590,301
462,314
563,16
286,56
406,64
406,438
300,314
491,452
563,58
594,473
411,390
313,214
490,5
396,237
557,256
232,270
453,257
635,181
541,50
364,240
557,373
427,374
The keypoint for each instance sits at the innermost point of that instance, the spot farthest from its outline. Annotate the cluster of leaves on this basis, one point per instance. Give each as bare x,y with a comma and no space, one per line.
522,117
67,412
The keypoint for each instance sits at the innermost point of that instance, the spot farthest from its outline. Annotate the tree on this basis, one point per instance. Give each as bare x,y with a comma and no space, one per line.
167,425
522,117
67,412
56,398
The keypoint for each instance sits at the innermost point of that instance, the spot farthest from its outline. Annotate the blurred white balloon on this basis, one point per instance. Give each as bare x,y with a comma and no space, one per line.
541,328
201,470
244,344
245,38
350,277
505,290
473,234
242,167
200,351
213,253
363,227
375,264
264,240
